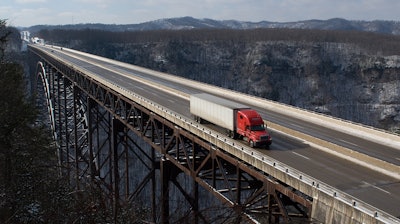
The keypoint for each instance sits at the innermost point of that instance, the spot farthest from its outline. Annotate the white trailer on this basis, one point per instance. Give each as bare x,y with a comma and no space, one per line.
216,110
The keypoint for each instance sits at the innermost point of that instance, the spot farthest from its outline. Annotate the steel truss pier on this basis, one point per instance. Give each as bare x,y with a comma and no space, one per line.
139,157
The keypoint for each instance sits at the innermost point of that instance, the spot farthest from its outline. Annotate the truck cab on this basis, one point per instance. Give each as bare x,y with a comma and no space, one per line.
250,126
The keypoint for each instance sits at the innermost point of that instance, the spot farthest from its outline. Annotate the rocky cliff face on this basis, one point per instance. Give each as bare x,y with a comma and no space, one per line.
332,78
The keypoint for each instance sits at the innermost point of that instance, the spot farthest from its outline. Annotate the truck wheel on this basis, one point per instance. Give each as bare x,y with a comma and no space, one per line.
251,143
235,136
197,119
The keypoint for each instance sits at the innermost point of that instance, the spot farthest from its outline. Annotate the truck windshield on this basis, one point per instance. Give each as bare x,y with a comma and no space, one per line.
260,127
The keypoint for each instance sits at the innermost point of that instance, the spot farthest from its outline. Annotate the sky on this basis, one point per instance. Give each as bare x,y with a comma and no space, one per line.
25,13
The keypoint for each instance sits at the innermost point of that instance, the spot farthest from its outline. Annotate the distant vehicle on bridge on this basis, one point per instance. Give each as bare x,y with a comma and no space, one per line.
37,40
239,121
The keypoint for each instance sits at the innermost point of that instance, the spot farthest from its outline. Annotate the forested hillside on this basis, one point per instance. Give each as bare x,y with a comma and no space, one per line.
31,190
349,74
180,23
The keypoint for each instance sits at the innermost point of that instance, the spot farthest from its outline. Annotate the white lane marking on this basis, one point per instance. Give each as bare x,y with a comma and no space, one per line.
297,126
387,192
398,159
350,143
305,157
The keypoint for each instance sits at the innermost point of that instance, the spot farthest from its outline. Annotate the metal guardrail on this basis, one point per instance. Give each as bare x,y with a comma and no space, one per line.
261,161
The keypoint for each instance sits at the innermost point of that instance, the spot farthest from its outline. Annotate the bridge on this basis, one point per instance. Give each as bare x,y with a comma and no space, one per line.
129,130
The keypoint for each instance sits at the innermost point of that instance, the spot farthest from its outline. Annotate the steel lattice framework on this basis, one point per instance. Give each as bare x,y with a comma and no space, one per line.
134,154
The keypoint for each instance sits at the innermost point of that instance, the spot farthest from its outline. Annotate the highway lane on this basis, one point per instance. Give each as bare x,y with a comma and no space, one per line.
367,185
369,147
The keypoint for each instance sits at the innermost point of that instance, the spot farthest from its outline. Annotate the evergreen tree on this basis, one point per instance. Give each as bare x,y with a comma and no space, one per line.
26,156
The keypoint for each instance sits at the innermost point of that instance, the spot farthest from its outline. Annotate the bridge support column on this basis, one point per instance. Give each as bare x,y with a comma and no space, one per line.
92,167
75,136
58,129
116,128
66,134
195,203
153,186
165,174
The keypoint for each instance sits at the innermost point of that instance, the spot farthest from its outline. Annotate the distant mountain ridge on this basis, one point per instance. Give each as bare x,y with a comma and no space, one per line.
379,26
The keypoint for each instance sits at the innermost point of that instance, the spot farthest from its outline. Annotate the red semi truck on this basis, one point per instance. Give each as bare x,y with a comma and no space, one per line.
240,121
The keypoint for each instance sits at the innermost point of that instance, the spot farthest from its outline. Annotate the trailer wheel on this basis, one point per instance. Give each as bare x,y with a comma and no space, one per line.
231,134
197,119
